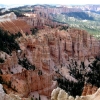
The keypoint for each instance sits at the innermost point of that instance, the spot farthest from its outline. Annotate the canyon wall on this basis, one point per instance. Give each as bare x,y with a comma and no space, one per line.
12,24
52,46
4,96
60,94
50,50
54,10
20,81
89,89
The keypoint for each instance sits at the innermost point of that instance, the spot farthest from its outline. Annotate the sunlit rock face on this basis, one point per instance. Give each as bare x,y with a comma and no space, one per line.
50,51
4,96
11,23
15,26
59,94
20,81
53,47
89,89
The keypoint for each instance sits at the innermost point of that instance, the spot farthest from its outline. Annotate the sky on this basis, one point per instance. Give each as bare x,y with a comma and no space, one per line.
64,2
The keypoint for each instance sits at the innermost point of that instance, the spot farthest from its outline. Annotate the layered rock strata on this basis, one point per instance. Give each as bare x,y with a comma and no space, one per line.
51,50
12,24
89,89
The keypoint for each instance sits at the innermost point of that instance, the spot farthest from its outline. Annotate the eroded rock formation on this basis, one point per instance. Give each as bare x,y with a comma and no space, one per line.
59,94
4,96
51,47
12,24
89,89
44,57
49,51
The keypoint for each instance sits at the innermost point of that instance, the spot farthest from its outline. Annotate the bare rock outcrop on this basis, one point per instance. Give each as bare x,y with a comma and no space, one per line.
59,94
53,47
11,23
89,89
8,17
50,51
45,56
4,96
15,26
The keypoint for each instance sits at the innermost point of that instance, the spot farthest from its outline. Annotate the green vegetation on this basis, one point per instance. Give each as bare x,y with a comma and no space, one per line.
79,15
39,72
8,84
1,72
94,75
64,28
1,80
6,12
39,97
73,88
70,87
7,41
1,60
81,74
34,30
18,13
22,9
32,99
26,64
88,21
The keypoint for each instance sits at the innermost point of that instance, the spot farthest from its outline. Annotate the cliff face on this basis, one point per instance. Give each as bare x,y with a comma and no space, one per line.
59,94
43,16
4,96
89,89
49,51
41,20
54,10
57,47
11,23
18,80
15,26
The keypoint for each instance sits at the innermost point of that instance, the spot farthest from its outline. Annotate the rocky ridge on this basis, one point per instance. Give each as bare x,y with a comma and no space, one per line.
44,57
12,24
49,51
59,94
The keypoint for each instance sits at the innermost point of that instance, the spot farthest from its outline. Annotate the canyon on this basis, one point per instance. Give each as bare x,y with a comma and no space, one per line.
45,56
